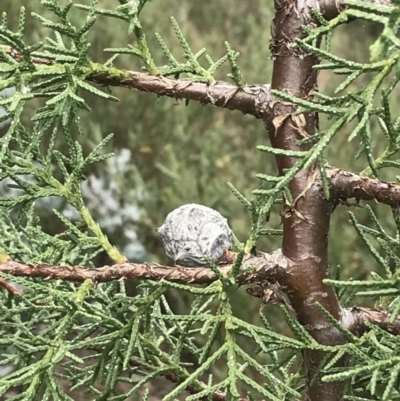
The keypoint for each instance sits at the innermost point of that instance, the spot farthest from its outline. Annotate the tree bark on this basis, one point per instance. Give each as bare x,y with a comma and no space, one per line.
306,222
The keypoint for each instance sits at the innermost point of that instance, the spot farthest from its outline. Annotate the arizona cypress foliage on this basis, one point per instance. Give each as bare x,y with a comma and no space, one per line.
70,327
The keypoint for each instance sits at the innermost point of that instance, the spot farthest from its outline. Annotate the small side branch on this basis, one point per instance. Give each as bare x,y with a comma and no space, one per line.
10,288
264,268
256,270
250,99
346,185
331,8
354,319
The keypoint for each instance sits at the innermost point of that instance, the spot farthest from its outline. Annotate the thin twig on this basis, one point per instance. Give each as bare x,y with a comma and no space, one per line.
10,288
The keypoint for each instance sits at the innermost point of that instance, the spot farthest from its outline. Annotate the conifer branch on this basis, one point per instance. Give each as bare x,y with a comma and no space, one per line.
253,99
256,270
20,58
331,8
261,269
216,396
250,99
345,185
355,319
147,329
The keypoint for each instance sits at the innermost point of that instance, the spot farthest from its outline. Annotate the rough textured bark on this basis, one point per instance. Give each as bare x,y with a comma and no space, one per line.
266,267
354,319
345,185
269,268
306,222
249,99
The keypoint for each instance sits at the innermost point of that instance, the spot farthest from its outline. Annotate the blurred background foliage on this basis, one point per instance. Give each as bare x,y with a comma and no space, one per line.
169,153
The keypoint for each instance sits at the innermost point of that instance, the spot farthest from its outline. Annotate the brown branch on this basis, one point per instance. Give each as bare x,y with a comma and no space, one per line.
250,99
10,288
354,319
20,58
266,267
346,185
272,268
331,8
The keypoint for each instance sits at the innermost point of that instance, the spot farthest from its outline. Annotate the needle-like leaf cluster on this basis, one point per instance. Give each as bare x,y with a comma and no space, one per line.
60,337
